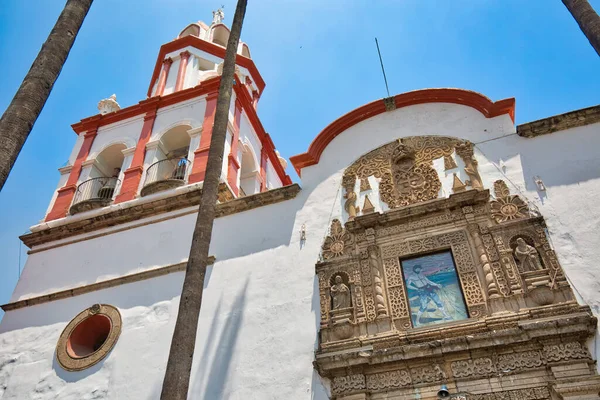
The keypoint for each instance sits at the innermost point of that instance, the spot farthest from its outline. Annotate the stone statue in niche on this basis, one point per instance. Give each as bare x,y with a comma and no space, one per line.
528,256
340,294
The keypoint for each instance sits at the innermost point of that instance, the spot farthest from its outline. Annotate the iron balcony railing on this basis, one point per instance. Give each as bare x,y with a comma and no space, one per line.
102,188
166,170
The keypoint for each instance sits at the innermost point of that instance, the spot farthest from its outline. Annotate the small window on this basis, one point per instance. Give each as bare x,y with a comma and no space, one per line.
89,337
433,289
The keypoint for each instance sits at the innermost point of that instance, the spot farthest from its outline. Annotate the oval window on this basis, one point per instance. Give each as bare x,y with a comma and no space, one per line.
89,337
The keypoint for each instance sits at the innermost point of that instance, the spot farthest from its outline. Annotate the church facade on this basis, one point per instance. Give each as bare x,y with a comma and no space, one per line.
432,248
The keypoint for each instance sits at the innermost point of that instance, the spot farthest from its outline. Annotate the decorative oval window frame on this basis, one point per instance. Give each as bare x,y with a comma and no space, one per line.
70,363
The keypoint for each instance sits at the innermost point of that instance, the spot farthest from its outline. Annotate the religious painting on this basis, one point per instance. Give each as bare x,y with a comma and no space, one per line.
433,289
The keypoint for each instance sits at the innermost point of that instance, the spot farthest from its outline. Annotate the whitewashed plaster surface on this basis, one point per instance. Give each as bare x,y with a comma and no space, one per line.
259,323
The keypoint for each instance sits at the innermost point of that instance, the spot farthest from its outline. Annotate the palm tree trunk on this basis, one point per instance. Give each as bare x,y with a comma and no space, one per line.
588,20
179,365
18,119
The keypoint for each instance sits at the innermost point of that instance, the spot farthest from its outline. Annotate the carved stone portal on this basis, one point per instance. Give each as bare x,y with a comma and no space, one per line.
521,316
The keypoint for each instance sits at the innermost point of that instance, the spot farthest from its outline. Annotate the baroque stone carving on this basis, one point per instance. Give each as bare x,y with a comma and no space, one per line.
538,393
340,294
465,151
507,207
350,196
364,184
527,256
449,163
372,346
566,351
458,185
348,384
427,374
517,361
472,367
380,307
109,105
429,148
368,206
388,380
405,168
408,182
337,243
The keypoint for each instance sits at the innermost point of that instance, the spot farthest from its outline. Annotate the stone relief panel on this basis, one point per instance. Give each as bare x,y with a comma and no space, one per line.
404,170
507,207
506,273
337,243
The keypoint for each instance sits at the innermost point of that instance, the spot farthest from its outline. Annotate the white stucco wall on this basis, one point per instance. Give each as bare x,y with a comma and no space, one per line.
259,322
273,180
126,132
190,112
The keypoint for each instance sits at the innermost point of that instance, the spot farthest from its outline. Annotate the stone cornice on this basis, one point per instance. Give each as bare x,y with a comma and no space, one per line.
560,122
63,294
567,320
392,217
135,212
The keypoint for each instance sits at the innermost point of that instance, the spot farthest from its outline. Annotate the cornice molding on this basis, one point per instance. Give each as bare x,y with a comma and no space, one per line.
468,98
134,211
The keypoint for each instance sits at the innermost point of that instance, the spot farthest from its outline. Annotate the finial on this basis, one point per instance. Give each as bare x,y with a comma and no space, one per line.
109,105
218,16
282,160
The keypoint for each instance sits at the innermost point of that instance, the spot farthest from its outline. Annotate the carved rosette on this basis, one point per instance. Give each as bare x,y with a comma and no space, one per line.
507,207
337,243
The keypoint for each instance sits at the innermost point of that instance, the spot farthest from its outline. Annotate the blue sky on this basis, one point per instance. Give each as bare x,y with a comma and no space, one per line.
319,61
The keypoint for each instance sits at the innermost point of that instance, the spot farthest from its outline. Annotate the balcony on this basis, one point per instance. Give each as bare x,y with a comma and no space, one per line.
93,193
165,174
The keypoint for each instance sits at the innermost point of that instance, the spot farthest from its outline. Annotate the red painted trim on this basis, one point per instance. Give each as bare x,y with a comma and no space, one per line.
183,60
133,175
65,194
208,47
207,86
233,165
164,75
265,139
475,100
263,170
201,153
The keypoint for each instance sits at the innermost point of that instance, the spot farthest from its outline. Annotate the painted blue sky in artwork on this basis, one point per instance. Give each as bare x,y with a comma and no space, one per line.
319,61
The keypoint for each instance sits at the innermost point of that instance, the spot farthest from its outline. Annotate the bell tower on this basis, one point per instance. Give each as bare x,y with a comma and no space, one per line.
162,142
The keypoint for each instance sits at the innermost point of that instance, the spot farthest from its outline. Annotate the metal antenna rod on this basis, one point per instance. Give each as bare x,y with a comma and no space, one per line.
382,69
19,258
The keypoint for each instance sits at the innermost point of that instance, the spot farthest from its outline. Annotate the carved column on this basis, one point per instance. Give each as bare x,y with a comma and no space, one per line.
465,151
348,182
184,57
508,264
164,75
380,307
492,289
